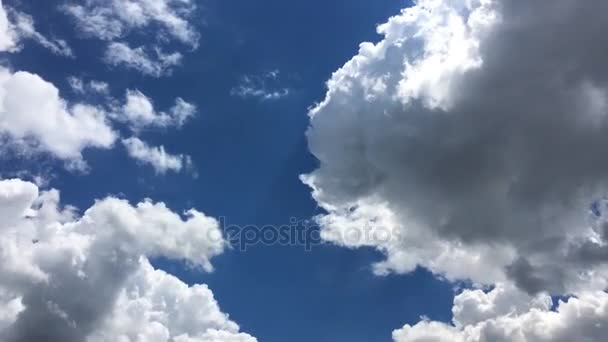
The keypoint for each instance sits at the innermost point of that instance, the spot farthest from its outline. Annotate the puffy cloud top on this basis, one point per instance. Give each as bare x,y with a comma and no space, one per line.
33,113
472,129
469,141
71,278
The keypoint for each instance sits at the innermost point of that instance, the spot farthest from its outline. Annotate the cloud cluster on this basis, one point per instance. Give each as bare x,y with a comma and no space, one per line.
507,315
87,278
116,20
47,123
474,132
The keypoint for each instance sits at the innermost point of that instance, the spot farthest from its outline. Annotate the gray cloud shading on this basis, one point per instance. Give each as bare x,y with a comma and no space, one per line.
481,122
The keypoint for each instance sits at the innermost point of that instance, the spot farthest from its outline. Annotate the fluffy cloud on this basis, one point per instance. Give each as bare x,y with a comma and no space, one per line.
32,114
509,315
139,113
474,137
87,278
160,160
114,20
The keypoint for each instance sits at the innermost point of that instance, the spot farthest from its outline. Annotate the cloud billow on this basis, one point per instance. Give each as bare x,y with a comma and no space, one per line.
476,130
76,278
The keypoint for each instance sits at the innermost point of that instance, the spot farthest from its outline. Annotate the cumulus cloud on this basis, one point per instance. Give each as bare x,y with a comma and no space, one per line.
509,315
32,114
139,113
67,277
473,131
156,156
115,20
264,87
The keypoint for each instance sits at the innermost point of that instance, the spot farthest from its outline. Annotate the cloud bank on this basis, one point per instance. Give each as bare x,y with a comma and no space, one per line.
474,132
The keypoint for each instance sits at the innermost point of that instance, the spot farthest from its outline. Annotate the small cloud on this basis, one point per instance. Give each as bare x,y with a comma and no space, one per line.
264,87
138,112
79,86
156,156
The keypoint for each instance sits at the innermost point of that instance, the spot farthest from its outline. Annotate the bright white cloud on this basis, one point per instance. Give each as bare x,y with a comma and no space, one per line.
71,278
139,113
156,156
507,315
114,20
32,114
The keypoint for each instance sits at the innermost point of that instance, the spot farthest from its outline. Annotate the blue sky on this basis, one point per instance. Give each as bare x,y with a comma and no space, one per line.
248,155
257,114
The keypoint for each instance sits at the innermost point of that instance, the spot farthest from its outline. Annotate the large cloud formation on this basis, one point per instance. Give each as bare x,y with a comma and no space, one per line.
472,136
67,277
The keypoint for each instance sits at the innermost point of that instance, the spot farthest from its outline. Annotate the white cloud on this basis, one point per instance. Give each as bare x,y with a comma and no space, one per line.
139,113
9,39
109,20
16,26
474,136
114,20
264,87
155,64
24,28
32,114
79,86
509,315
70,278
160,160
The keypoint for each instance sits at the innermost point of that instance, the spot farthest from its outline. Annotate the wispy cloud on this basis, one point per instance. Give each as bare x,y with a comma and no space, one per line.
267,86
